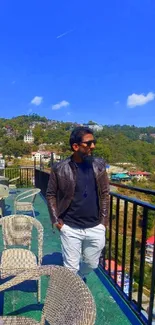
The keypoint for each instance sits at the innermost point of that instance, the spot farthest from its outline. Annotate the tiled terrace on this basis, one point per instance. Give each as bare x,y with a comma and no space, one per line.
23,300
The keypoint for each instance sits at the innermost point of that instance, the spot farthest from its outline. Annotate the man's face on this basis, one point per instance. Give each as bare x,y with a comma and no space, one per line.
86,147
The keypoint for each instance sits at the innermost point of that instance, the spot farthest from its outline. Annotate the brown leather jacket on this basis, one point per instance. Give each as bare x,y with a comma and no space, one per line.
61,187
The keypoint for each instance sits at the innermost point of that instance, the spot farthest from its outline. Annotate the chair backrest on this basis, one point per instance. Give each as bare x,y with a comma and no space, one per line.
68,294
17,230
28,194
68,300
4,191
14,179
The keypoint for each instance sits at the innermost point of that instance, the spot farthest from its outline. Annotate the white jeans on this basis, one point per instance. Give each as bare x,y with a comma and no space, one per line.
81,248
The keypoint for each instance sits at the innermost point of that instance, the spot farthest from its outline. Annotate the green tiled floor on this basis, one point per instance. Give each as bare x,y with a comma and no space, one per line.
25,303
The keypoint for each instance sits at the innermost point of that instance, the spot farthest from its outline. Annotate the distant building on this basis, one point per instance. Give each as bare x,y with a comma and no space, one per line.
142,136
28,137
120,177
44,155
149,249
94,127
139,175
119,275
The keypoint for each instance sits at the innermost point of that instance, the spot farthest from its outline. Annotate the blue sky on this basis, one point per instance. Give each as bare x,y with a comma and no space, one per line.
78,60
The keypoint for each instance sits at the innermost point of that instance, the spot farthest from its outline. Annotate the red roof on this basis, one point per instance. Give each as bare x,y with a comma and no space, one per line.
139,173
150,240
119,267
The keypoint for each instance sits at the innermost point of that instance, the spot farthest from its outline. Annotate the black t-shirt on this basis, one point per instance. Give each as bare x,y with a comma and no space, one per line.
83,211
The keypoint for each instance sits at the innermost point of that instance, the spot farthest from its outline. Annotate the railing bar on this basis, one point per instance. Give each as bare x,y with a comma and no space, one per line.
152,289
124,242
132,249
133,200
110,233
142,259
22,174
20,177
26,176
132,188
116,238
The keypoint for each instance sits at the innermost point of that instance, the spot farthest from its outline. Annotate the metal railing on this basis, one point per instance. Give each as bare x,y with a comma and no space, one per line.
25,174
124,258
126,251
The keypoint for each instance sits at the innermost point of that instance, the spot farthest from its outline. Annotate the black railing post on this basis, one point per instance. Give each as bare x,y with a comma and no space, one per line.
52,159
132,252
116,237
40,162
110,233
124,242
34,162
20,176
142,257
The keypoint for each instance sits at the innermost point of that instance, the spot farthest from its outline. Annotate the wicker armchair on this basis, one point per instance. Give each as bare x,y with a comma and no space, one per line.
13,182
68,300
4,193
21,205
17,231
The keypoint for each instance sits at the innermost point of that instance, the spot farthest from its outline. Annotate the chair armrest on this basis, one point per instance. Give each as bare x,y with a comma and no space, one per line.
40,230
28,275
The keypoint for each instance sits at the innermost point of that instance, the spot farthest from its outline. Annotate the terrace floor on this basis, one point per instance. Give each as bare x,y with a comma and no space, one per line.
23,300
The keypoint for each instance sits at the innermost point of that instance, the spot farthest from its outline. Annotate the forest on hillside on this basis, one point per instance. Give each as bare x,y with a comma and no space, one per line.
116,143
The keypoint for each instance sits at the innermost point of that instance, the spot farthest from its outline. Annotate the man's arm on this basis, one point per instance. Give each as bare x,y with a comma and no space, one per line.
104,198
51,195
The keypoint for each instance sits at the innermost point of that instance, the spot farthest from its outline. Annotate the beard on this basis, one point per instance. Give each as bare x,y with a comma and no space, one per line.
87,159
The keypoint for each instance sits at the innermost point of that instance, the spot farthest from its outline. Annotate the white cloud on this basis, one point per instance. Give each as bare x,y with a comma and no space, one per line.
64,34
139,100
61,104
117,102
37,100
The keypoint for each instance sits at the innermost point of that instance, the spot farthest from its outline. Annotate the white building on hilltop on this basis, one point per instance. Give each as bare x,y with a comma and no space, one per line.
28,137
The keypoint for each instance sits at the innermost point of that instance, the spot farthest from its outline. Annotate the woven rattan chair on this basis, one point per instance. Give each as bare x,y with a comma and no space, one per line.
13,182
68,300
4,193
25,200
17,232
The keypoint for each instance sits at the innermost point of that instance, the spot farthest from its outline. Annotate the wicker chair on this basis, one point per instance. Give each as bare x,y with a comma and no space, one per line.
13,182
21,205
17,230
4,193
68,300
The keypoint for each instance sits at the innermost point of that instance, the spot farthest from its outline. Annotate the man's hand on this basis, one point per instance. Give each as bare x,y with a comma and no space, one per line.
59,224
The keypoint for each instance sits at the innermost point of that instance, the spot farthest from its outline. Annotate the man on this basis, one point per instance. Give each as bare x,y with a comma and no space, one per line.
78,201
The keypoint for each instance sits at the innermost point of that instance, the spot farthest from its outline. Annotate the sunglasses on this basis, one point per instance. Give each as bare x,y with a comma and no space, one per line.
89,143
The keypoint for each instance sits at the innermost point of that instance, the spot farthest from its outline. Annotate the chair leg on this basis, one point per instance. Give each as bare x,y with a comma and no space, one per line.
1,214
33,213
39,291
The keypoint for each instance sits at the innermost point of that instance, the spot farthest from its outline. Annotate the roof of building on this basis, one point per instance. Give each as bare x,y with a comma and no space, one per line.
112,264
139,173
120,175
151,240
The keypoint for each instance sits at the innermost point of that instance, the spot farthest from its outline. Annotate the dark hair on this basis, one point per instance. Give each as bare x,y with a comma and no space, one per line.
78,133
